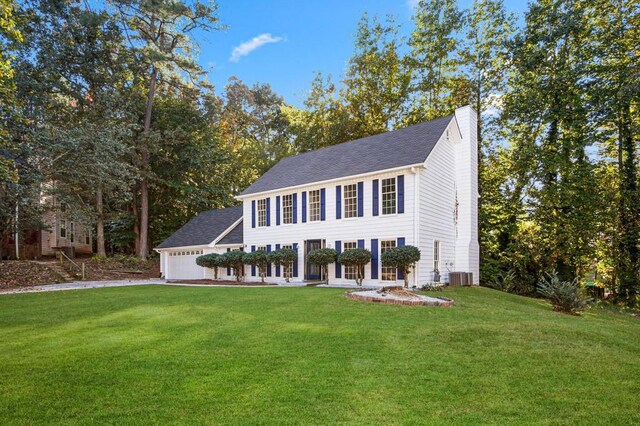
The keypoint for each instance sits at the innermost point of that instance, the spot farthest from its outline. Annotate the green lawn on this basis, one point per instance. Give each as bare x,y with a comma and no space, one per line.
308,355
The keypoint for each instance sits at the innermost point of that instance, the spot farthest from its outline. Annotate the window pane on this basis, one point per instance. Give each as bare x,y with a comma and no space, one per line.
389,196
287,209
262,212
314,205
388,273
351,200
436,255
350,271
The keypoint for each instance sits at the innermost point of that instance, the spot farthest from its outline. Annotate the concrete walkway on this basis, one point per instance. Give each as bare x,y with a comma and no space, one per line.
82,285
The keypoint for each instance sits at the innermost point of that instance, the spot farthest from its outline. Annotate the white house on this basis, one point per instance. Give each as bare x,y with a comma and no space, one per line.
414,186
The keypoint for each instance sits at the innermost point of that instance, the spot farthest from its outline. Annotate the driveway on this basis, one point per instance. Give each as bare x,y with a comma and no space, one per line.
81,285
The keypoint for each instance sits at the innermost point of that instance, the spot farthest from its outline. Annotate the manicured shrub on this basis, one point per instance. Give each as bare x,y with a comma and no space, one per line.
565,296
260,259
357,258
285,258
211,260
235,260
323,257
503,281
404,258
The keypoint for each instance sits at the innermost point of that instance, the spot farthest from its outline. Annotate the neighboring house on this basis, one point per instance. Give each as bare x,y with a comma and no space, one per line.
60,231
414,186
213,231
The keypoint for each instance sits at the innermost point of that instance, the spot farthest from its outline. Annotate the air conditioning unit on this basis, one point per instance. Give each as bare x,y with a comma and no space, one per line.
457,279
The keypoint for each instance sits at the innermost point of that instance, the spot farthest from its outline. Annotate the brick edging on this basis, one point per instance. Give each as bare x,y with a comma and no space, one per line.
391,301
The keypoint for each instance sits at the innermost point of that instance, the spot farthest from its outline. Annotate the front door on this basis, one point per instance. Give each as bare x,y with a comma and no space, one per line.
313,271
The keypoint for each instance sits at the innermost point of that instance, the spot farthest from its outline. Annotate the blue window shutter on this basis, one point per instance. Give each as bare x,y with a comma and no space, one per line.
360,243
401,194
295,208
304,206
269,211
374,258
375,194
268,264
323,197
295,262
277,210
253,213
338,203
228,267
400,243
253,267
360,199
338,265
277,266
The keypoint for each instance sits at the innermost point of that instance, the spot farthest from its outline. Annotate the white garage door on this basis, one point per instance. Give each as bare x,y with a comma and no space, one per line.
182,265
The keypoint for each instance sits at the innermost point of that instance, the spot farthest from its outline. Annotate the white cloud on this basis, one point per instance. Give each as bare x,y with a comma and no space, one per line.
249,46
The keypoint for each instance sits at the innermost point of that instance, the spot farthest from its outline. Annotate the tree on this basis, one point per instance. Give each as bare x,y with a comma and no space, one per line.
164,28
357,258
259,259
234,259
323,257
404,258
285,258
211,260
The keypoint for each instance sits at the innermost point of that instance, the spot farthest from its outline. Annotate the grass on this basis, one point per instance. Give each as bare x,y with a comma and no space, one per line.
141,355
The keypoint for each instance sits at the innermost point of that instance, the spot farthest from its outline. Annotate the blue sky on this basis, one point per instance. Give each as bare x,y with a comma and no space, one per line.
285,42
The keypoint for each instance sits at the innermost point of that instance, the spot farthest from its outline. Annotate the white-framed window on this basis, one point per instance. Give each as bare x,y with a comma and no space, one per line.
72,233
287,269
436,255
63,228
389,199
87,237
261,248
287,208
350,271
262,212
314,205
388,272
350,200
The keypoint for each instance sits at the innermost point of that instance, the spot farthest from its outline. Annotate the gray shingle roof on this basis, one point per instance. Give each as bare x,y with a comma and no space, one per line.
235,236
397,148
204,228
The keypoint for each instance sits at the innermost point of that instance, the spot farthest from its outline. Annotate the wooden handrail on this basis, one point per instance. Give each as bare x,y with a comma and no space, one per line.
79,268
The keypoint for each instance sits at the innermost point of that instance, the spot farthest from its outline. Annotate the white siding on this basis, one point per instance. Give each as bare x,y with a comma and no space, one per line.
331,229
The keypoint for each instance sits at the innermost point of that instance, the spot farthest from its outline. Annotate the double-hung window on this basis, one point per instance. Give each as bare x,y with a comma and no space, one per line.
389,196
314,205
87,237
73,232
262,212
350,270
388,272
436,255
351,200
287,208
63,228
287,269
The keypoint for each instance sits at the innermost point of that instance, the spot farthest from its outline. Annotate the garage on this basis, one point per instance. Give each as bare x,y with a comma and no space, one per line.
182,265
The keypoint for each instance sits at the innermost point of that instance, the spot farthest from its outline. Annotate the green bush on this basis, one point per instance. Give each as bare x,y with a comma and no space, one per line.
565,296
358,258
404,258
503,281
235,260
323,257
211,260
285,258
260,259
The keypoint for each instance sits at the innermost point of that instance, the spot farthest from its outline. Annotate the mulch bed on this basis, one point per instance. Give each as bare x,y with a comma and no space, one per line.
20,273
219,282
111,269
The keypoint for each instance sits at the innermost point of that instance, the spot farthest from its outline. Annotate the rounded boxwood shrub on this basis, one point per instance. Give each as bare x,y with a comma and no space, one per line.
323,257
285,258
211,260
404,258
357,257
235,260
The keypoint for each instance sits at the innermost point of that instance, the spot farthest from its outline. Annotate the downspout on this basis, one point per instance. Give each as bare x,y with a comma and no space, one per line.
416,218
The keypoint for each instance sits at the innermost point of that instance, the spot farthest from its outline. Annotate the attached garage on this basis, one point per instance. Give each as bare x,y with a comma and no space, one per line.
211,231
182,264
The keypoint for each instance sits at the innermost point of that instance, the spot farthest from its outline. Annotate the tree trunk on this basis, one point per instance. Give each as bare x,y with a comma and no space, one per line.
136,223
144,157
100,223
